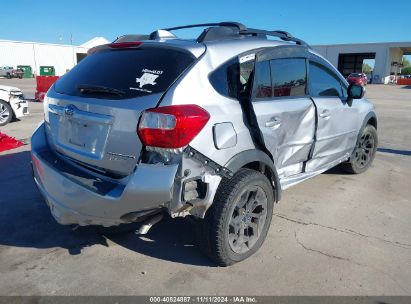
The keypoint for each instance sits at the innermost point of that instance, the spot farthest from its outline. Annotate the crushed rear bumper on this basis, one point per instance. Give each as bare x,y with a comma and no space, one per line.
75,196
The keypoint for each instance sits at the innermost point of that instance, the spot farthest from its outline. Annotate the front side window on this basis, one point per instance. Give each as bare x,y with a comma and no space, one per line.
289,77
262,80
323,83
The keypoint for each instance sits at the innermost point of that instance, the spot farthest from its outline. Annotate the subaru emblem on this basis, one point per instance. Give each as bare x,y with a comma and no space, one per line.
69,110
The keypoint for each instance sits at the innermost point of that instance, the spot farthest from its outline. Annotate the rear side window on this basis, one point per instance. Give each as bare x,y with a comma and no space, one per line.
233,77
289,77
225,79
323,82
262,80
134,72
246,68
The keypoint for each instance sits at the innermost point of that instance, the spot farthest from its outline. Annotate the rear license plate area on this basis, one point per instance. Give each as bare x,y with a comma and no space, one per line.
83,137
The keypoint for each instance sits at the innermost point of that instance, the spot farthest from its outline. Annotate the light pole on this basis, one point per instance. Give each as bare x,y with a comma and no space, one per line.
72,49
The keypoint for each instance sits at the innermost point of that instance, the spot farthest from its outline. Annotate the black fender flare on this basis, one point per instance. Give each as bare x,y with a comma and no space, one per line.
366,119
249,156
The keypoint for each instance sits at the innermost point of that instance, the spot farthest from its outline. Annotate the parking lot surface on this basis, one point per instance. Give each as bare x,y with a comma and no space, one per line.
335,234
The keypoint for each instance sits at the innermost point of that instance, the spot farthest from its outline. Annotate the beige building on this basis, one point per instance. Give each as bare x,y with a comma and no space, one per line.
348,58
35,54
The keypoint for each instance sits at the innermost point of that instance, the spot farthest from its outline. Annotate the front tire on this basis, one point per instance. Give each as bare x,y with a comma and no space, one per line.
364,153
237,223
6,113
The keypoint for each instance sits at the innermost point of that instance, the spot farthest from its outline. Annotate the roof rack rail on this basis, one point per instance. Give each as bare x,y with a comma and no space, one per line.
241,27
225,30
283,35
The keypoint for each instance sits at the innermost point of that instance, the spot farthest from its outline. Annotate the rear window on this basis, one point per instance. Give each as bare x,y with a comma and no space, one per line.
134,72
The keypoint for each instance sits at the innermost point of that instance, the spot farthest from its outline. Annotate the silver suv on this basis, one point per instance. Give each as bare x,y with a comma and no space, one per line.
212,129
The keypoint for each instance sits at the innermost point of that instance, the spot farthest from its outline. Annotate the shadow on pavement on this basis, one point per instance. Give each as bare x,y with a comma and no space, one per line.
394,151
406,87
171,239
25,221
336,171
339,171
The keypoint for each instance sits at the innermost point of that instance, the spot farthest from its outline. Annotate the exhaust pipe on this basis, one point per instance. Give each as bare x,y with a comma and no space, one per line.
146,226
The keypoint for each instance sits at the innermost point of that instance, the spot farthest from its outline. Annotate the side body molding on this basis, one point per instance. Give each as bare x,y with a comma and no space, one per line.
250,156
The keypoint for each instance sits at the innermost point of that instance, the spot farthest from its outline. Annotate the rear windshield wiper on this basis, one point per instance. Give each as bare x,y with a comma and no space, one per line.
86,89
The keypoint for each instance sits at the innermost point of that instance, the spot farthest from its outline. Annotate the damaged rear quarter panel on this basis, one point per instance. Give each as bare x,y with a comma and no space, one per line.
190,90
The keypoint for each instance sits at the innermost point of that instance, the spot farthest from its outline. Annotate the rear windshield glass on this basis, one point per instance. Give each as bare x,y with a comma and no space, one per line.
125,73
355,75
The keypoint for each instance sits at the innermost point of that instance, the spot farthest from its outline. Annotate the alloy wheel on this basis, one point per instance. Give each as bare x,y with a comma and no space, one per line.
364,150
4,113
248,219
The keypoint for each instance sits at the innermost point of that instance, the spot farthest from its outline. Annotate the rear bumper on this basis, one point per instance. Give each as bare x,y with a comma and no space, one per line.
77,197
357,82
20,107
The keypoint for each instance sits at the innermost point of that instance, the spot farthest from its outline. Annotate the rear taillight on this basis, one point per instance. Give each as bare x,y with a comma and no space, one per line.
171,126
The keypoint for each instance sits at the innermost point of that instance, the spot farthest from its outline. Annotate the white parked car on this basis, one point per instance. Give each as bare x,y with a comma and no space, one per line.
12,104
11,72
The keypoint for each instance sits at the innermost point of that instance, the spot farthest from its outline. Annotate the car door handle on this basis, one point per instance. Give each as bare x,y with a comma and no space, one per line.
325,114
273,122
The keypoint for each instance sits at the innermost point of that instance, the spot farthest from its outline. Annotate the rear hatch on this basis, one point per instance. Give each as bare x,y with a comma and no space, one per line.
92,112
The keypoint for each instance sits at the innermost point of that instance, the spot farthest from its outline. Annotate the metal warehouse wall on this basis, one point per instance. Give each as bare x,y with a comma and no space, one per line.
385,55
62,57
331,52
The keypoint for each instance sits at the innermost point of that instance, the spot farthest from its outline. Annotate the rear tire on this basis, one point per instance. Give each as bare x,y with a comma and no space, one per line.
364,153
6,113
237,223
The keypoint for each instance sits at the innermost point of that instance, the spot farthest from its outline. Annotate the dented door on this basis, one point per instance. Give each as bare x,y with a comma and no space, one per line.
288,127
284,111
337,119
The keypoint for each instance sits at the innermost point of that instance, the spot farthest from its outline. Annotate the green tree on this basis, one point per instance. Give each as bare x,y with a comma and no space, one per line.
406,70
366,68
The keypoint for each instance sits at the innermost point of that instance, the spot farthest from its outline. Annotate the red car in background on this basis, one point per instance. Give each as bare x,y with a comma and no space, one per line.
357,78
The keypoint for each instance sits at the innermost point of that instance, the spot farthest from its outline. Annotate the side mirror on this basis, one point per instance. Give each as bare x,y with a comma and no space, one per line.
355,91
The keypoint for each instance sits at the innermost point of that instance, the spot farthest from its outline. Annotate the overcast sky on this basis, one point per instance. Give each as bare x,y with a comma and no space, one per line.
317,22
